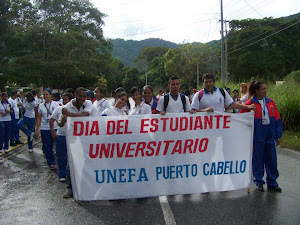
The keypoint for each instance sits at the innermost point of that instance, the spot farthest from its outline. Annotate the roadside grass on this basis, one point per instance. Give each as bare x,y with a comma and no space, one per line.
291,140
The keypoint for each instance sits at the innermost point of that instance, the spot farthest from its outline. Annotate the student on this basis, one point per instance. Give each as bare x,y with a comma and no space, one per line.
5,122
77,107
140,107
244,93
160,94
60,139
267,134
90,97
174,102
101,103
28,119
15,102
45,110
149,98
212,99
118,108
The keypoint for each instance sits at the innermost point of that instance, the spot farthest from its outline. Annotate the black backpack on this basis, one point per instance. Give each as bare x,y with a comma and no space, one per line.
167,98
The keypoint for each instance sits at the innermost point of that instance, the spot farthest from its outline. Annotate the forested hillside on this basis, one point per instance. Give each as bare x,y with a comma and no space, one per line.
127,51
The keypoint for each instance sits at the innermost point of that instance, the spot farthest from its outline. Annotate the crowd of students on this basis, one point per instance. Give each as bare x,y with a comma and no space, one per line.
46,113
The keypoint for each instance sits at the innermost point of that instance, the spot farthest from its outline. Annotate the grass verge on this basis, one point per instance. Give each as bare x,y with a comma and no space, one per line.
291,140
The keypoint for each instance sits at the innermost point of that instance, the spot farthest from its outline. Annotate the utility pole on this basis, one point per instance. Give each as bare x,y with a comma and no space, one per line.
222,46
226,53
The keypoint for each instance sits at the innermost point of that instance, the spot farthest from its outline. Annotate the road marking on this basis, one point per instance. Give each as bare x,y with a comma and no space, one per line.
168,215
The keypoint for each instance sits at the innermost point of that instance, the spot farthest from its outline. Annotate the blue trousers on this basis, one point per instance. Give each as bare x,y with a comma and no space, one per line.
48,146
5,127
61,155
265,157
30,123
14,132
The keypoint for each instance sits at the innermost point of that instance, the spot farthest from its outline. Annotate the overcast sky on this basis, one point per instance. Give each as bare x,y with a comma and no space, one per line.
182,21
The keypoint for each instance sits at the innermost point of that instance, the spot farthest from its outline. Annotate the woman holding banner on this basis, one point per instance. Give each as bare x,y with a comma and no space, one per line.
140,107
118,108
267,133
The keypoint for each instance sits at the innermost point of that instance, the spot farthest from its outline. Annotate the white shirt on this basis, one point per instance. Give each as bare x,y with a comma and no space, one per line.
244,99
174,106
264,112
101,105
29,109
46,110
14,103
213,99
86,107
3,107
56,115
113,111
141,109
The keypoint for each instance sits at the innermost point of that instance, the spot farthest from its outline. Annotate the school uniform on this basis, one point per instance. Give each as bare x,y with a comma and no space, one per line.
29,120
46,110
86,107
140,109
213,99
174,106
14,132
267,128
114,111
5,126
60,144
101,105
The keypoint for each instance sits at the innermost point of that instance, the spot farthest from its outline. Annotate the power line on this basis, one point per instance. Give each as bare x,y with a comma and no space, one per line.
254,9
265,37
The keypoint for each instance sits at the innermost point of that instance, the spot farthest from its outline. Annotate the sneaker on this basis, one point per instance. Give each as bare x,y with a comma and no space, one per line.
52,167
274,188
13,144
30,150
5,150
19,142
68,193
62,179
260,187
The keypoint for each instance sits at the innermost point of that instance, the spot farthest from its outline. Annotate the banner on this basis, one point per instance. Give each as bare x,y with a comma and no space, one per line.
117,157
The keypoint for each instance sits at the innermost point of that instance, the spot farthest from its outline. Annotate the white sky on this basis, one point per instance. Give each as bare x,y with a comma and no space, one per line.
183,21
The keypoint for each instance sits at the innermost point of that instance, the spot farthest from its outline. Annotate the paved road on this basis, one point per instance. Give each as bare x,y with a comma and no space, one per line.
31,194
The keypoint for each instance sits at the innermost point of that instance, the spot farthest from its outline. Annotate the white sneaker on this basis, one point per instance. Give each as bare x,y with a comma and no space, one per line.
62,179
30,150
5,150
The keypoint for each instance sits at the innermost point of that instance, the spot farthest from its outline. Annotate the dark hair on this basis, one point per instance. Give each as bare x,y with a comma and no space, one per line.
135,89
124,94
68,95
148,86
3,93
70,90
14,92
187,92
172,78
29,94
34,91
253,86
80,89
99,89
57,96
160,90
120,89
208,76
113,92
235,90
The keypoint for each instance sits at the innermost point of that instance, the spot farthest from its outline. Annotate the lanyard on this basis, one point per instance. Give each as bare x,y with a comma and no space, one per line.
5,108
264,107
48,110
100,104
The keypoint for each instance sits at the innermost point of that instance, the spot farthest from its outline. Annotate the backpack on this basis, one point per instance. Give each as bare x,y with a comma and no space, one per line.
167,98
201,93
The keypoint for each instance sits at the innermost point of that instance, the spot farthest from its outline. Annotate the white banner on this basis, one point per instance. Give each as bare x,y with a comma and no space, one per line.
151,155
